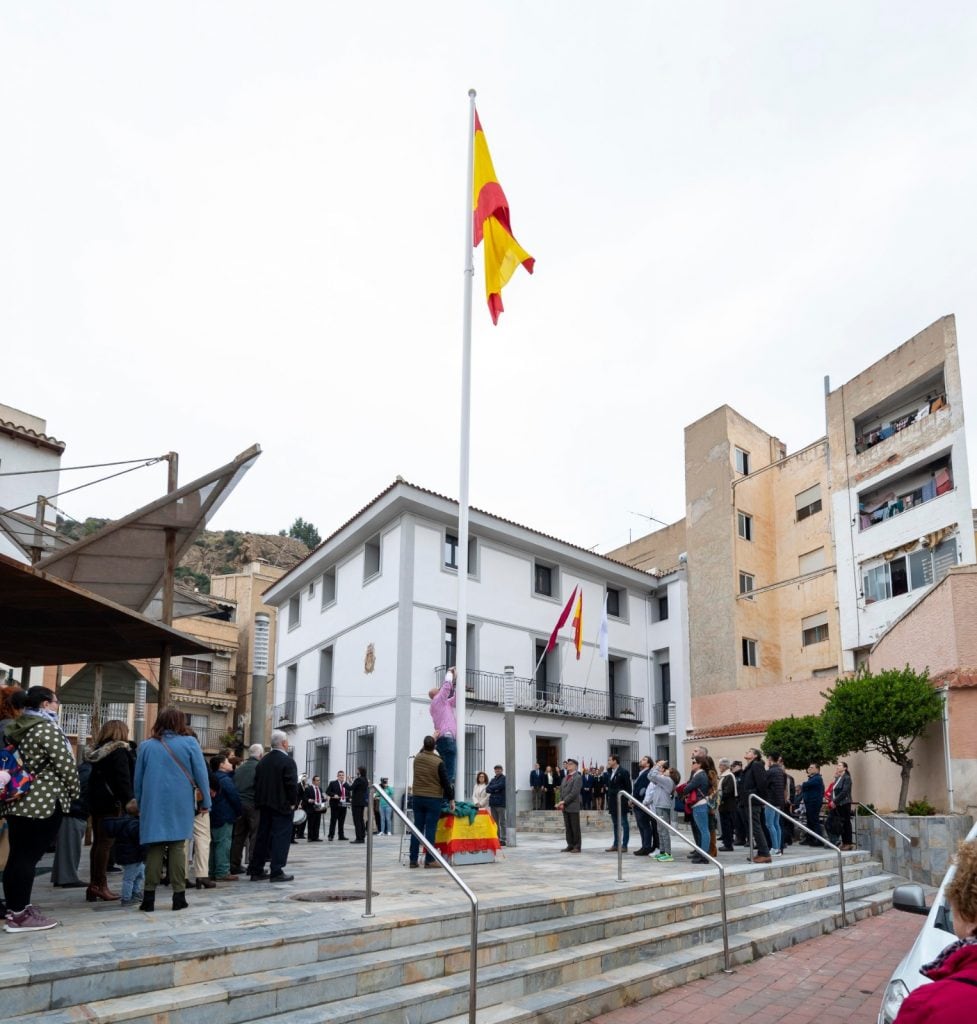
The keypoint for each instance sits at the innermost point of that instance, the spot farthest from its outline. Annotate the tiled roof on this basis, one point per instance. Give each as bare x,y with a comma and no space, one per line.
956,678
454,501
16,430
735,729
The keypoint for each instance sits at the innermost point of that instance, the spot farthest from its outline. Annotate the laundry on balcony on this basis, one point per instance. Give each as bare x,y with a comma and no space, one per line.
879,432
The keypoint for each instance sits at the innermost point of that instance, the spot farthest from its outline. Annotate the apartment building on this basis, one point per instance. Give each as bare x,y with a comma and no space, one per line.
798,562
368,624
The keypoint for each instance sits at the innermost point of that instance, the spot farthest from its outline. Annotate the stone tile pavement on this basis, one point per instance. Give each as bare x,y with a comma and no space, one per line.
833,979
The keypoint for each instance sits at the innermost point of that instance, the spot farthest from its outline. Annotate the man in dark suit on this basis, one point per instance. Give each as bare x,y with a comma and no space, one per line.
615,779
360,802
570,805
338,793
536,785
312,801
276,795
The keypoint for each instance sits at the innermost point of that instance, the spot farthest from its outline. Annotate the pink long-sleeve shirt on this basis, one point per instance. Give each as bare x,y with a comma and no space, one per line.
443,709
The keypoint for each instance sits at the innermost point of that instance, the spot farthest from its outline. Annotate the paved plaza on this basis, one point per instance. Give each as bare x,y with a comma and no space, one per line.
532,870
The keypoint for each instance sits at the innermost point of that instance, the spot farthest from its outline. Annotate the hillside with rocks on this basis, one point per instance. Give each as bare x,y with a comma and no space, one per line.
214,552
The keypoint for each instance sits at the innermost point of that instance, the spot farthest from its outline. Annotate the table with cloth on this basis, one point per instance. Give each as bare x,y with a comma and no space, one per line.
462,834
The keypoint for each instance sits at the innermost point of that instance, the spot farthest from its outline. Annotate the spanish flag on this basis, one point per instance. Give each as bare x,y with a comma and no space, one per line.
503,253
578,625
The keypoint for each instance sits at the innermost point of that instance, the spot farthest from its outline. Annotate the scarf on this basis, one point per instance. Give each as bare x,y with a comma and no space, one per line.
941,959
53,719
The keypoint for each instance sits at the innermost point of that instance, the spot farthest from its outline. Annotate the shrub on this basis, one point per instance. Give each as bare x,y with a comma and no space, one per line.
920,808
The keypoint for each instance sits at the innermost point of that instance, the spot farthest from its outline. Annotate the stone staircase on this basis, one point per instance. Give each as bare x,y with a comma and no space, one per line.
539,960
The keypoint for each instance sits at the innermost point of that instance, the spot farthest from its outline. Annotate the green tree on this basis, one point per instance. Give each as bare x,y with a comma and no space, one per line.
306,533
801,741
887,712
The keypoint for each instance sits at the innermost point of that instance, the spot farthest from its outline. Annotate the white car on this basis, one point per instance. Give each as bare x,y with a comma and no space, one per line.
936,935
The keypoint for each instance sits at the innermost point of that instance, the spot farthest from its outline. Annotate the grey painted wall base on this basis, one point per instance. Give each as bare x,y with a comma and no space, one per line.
933,842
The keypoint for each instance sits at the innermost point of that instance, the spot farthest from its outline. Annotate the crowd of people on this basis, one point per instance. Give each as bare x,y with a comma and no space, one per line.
159,813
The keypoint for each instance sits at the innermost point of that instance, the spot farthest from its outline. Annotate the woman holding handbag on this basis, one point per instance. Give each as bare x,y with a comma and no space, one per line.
109,790
171,780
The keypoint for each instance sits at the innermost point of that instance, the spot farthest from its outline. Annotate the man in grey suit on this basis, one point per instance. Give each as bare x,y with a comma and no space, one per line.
570,805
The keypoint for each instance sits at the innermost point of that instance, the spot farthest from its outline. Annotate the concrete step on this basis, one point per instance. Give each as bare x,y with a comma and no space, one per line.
414,968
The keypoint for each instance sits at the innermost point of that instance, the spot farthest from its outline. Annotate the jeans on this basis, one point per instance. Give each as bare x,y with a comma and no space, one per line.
133,880
700,815
622,831
386,817
772,819
448,749
427,813
220,850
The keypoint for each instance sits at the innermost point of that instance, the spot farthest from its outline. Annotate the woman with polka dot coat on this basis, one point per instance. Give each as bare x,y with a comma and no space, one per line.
34,819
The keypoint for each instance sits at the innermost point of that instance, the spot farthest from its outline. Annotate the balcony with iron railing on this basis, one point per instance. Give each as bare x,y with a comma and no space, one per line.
318,703
659,713
285,715
213,738
487,688
200,677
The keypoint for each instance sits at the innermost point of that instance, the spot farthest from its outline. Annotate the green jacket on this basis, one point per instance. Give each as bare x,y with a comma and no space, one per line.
45,754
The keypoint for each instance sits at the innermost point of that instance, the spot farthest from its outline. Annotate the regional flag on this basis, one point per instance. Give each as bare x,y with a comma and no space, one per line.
503,253
560,622
578,625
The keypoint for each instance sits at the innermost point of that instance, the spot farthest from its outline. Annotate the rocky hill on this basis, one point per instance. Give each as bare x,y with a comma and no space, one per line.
215,552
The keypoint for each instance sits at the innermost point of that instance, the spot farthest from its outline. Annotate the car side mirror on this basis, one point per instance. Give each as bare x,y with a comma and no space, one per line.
910,898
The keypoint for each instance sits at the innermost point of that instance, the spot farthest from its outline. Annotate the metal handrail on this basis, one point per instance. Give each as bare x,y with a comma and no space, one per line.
803,828
407,778
431,849
622,795
887,825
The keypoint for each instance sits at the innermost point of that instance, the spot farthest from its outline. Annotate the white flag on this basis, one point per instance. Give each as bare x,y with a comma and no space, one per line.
602,632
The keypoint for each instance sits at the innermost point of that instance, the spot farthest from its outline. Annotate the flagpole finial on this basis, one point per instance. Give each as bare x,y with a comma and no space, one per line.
471,94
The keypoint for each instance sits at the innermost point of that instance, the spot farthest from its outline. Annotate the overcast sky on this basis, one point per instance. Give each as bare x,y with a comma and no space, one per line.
236,222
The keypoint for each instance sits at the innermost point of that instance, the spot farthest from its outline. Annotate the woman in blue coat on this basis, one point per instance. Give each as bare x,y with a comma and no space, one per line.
168,768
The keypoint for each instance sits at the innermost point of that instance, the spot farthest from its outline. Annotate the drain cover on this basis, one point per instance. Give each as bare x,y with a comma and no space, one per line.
330,895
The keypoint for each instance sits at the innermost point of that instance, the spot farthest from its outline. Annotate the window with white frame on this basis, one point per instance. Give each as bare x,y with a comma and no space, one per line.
808,502
545,579
747,583
814,629
744,525
451,552
749,652
329,586
742,461
906,573
371,557
294,611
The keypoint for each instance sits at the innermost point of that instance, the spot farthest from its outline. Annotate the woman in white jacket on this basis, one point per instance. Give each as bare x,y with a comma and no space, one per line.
658,796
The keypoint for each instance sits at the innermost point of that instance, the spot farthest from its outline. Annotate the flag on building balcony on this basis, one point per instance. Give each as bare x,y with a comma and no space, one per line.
602,633
561,622
503,254
578,625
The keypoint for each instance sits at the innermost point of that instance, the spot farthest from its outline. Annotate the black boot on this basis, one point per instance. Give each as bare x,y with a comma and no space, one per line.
148,901
179,901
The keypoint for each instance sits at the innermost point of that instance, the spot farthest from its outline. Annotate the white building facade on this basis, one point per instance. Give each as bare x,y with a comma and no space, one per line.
367,625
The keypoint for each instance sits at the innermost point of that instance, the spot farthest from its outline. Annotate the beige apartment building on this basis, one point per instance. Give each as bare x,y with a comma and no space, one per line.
797,563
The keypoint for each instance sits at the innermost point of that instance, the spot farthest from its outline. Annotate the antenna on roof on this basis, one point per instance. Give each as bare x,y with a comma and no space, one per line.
652,518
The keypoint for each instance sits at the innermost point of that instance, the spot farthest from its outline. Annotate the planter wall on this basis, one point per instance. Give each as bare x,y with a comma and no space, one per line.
933,842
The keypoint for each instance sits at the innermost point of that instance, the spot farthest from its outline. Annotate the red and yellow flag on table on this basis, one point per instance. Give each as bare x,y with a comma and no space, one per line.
503,253
578,625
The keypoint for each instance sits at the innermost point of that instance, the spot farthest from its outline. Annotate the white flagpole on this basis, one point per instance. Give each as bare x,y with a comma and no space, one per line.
461,635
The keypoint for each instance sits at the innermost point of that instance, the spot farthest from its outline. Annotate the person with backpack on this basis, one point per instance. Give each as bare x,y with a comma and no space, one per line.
34,816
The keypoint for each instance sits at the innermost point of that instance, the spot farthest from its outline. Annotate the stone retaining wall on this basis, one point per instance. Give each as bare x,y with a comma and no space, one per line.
932,843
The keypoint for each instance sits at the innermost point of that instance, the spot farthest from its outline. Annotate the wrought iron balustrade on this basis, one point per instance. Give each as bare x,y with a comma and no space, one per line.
201,677
318,702
285,715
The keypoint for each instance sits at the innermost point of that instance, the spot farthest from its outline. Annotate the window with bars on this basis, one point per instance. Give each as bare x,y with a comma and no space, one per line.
360,750
626,751
317,759
474,759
